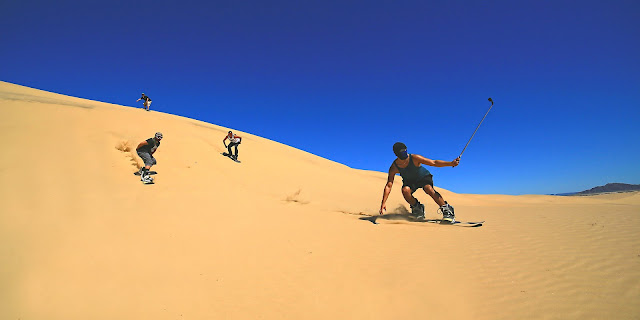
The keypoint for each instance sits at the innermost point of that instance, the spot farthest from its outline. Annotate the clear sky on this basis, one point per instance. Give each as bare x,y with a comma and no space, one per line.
346,79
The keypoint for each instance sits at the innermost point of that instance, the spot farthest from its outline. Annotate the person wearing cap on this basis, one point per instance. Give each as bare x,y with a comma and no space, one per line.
234,141
146,101
414,177
145,151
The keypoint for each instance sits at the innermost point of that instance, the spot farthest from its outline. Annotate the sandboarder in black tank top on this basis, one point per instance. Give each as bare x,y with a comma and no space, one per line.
145,150
146,101
414,177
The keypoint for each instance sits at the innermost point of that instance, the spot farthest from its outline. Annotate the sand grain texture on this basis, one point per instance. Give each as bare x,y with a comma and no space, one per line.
278,236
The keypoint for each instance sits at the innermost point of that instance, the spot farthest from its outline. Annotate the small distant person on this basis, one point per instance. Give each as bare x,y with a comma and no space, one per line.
145,151
146,101
414,177
234,141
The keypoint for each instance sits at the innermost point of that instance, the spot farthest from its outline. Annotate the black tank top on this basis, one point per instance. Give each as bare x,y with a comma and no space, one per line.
411,173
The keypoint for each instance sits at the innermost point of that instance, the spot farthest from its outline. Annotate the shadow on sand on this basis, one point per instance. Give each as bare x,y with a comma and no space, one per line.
400,213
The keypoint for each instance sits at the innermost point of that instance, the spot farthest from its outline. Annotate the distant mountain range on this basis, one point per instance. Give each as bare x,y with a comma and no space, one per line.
609,187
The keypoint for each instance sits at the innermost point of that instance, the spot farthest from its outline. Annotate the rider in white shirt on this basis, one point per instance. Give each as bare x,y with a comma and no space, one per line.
234,141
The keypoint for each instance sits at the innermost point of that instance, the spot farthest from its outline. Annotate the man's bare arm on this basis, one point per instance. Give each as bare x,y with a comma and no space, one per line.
141,144
387,188
436,163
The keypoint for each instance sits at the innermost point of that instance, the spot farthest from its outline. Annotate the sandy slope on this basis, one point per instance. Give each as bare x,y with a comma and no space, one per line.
278,236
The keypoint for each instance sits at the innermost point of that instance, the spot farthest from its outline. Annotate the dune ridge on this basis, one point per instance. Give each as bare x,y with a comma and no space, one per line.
278,236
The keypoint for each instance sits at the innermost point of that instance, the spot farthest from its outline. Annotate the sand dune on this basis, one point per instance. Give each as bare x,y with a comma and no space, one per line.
278,236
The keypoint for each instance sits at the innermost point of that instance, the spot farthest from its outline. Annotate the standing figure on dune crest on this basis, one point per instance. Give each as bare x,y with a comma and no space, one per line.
146,101
234,141
415,176
145,151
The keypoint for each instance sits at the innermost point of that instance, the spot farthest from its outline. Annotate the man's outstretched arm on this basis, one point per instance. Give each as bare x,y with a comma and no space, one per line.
436,163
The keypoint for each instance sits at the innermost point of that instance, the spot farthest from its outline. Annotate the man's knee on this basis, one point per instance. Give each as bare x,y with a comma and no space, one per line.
432,192
429,190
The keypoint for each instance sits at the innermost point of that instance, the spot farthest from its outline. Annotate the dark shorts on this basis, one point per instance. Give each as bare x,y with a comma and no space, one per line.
148,159
427,180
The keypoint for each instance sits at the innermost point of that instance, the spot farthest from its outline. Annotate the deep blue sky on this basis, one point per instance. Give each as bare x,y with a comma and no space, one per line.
346,79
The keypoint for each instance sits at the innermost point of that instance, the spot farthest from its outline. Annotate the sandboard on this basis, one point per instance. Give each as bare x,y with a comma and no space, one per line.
455,223
409,218
137,173
227,155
